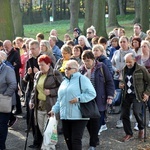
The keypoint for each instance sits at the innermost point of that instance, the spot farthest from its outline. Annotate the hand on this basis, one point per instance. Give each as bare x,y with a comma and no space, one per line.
31,105
75,100
51,113
47,92
29,70
109,101
35,70
145,97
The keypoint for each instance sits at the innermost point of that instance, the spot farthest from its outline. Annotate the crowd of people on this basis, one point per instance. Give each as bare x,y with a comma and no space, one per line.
47,72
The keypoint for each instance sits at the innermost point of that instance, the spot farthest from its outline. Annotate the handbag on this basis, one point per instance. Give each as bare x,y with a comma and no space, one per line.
89,109
50,136
5,104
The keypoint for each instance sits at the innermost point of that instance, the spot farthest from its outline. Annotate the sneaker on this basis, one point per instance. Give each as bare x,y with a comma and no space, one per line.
99,132
136,127
92,148
11,123
103,128
149,124
119,124
127,138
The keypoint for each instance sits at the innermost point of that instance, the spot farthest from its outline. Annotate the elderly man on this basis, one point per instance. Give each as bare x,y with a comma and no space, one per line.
136,85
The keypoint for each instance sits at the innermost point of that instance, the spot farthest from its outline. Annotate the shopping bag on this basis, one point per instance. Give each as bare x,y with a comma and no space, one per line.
50,136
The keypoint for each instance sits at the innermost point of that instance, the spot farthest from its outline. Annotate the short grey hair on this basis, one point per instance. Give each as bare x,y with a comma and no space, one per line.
129,55
3,55
74,64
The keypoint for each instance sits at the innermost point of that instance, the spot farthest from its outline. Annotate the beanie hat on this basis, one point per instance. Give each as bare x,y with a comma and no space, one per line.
77,30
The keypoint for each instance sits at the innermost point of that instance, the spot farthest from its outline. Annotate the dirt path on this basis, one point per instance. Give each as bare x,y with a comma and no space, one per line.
109,140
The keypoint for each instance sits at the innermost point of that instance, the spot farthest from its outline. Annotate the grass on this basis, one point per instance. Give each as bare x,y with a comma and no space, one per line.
63,25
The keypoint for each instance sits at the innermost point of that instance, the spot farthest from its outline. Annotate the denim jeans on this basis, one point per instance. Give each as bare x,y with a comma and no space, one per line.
73,132
4,118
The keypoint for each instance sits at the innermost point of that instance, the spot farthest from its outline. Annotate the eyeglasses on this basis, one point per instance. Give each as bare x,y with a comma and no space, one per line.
89,32
69,68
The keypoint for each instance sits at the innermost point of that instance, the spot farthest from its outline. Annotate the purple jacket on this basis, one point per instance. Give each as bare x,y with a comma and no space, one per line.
104,84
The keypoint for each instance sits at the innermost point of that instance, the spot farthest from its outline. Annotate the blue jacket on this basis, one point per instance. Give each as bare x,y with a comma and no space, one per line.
107,62
68,90
104,85
56,52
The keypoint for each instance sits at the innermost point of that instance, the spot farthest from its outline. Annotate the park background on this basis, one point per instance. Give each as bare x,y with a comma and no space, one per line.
26,18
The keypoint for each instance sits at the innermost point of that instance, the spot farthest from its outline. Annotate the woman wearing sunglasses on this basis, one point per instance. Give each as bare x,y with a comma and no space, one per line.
68,104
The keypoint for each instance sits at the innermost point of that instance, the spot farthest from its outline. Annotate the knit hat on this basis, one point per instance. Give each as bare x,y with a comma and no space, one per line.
77,30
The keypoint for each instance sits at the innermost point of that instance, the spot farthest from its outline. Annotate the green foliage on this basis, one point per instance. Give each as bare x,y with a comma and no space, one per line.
63,26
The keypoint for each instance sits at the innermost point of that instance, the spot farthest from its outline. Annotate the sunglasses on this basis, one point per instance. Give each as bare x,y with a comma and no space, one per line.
69,68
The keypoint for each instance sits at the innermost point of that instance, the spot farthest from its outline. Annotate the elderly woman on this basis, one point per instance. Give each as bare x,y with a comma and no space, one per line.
47,50
102,81
61,63
45,90
8,85
68,104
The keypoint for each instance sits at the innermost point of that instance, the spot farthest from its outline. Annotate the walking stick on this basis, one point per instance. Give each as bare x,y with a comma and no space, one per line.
28,129
144,121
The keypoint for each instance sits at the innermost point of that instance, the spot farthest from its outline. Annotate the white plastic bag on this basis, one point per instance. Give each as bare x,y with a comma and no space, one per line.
50,136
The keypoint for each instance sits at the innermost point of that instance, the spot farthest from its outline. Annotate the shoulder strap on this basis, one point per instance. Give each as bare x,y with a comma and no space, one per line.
101,69
55,78
80,83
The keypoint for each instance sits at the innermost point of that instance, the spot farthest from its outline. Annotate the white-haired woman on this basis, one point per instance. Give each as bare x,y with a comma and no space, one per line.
68,104
83,42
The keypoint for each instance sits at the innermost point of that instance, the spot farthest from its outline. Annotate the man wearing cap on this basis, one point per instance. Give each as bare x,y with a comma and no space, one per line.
76,34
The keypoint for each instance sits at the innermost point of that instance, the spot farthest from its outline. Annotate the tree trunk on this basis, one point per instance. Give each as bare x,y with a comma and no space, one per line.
30,13
112,11
99,21
6,22
74,13
145,14
88,14
137,11
44,12
122,7
53,9
17,18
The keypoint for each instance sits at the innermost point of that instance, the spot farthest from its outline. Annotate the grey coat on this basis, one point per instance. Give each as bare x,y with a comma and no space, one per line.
8,83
